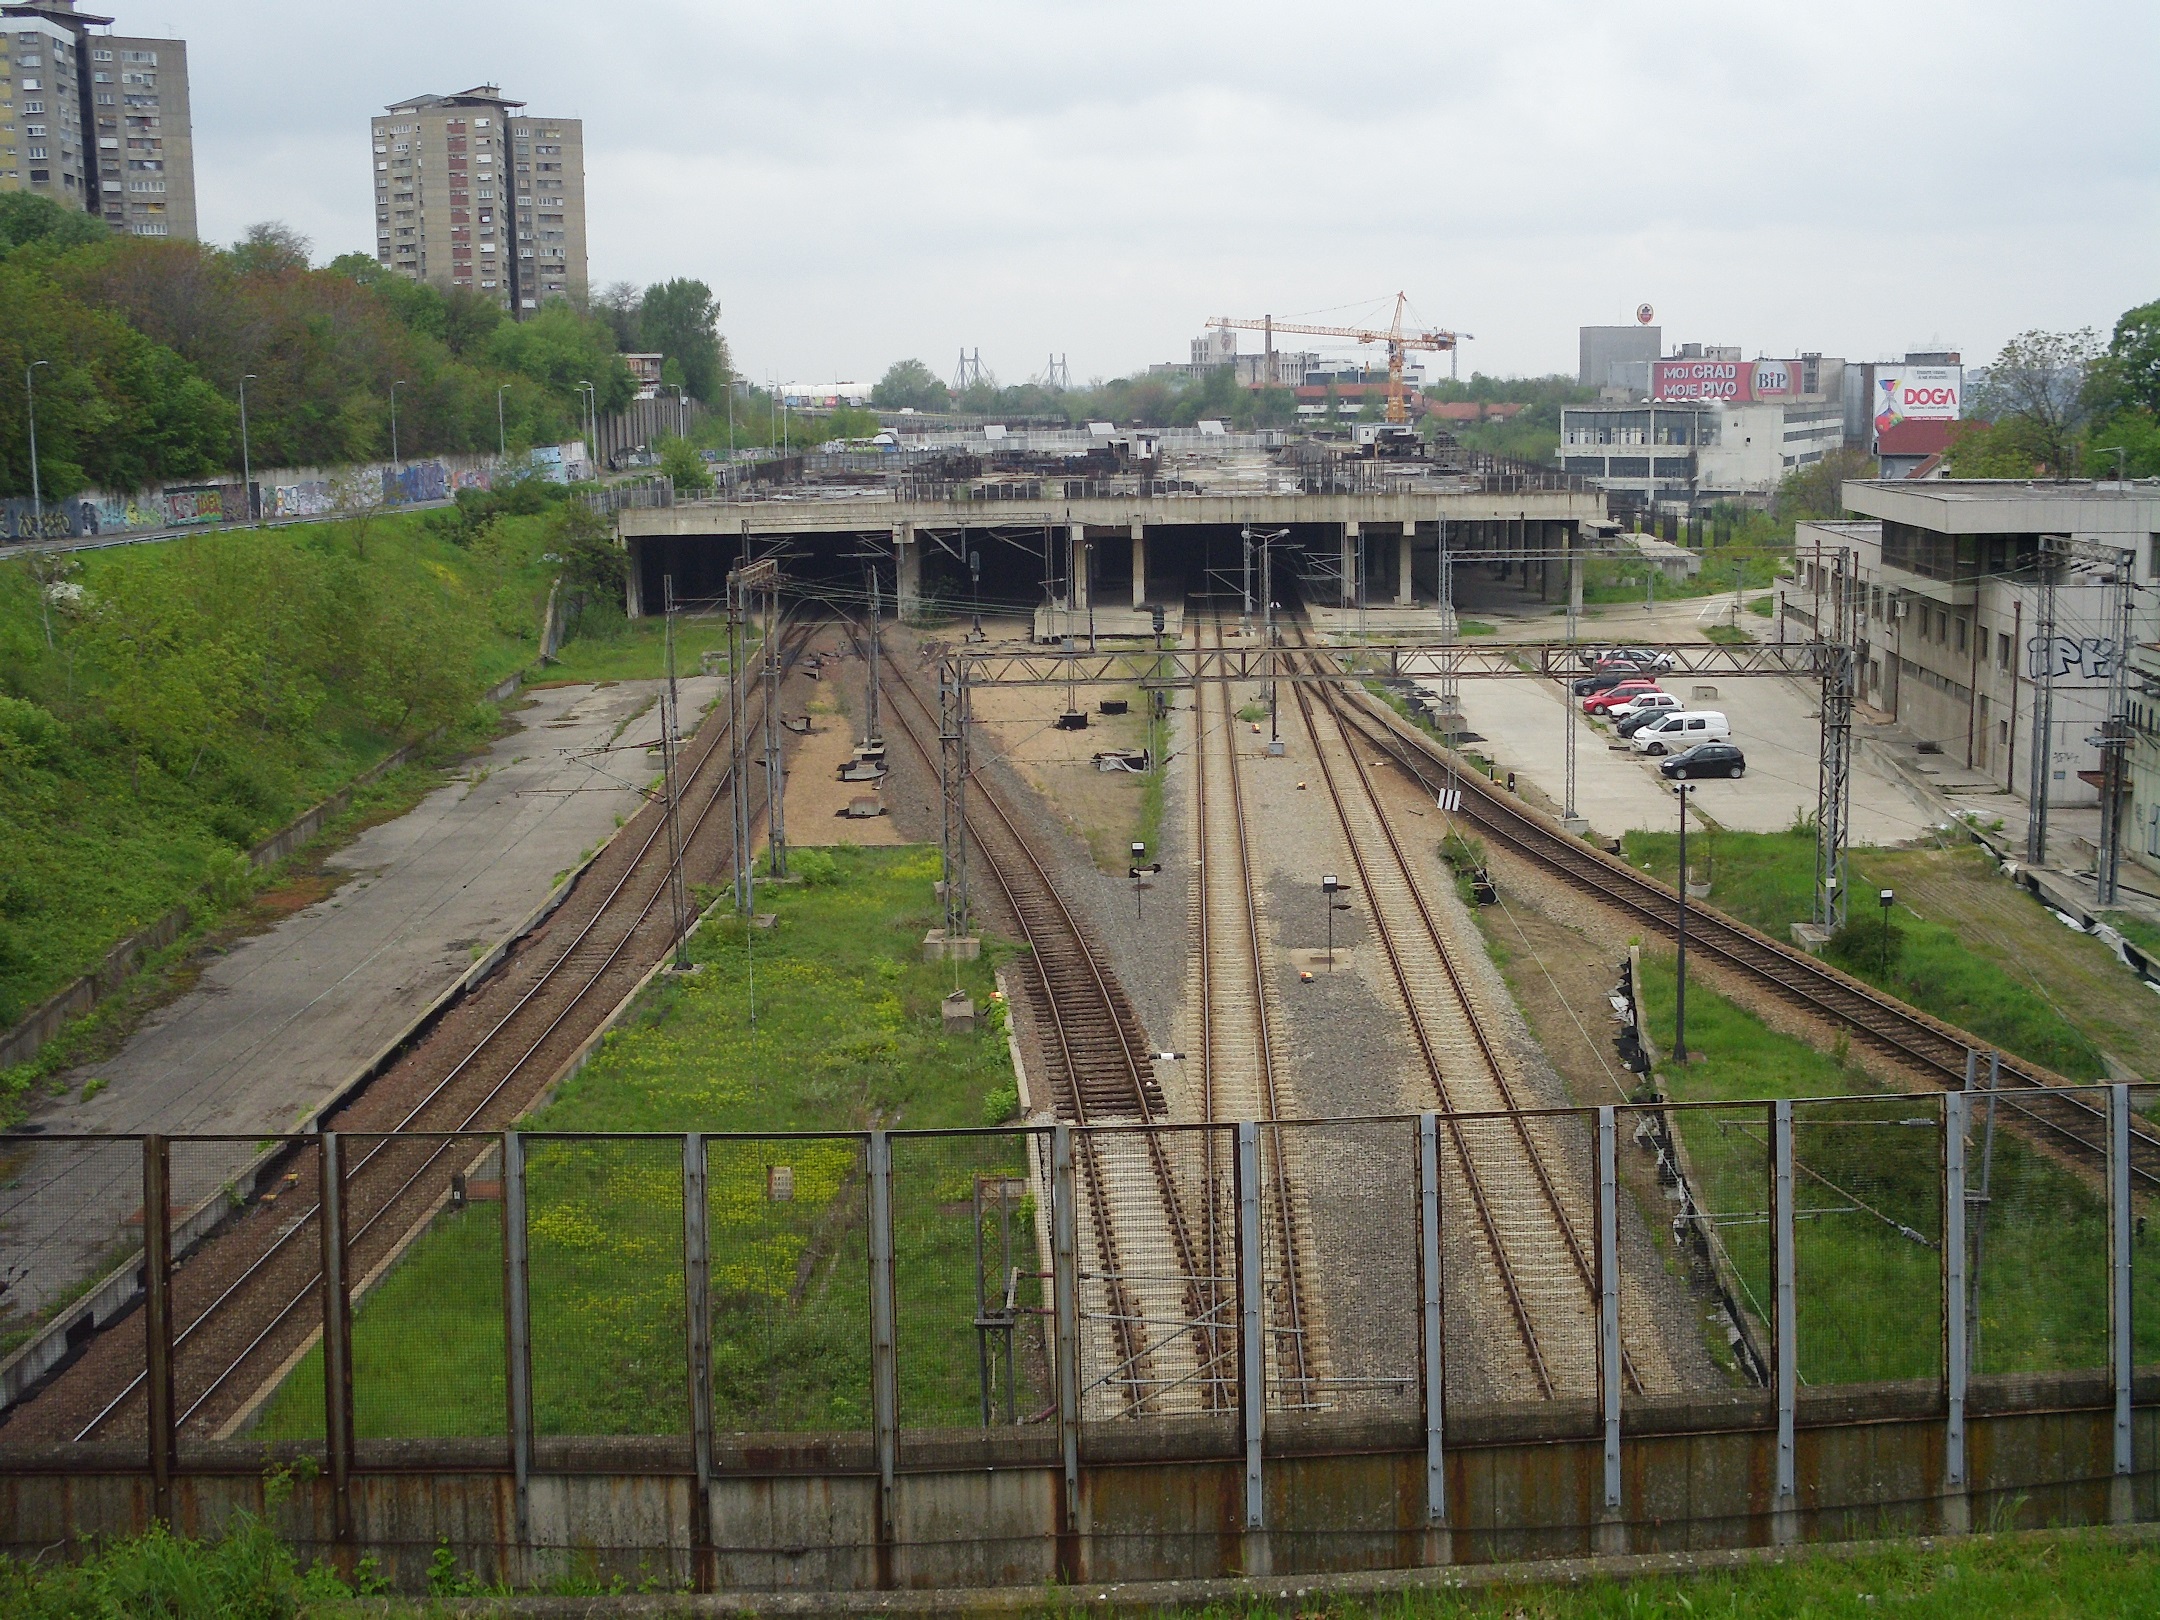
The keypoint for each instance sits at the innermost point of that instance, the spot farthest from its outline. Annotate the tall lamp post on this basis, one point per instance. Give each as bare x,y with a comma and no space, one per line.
247,469
37,498
502,438
394,387
587,428
1679,1046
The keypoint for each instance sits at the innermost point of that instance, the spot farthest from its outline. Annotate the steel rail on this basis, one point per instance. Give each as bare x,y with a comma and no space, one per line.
1292,1342
1900,1031
547,980
1129,1320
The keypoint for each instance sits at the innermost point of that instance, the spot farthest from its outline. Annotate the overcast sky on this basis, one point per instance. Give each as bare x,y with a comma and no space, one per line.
863,183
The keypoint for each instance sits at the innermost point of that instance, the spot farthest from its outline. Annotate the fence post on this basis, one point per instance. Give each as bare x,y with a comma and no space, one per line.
1065,1293
337,1332
517,1330
1611,1534
1438,1543
697,1342
1784,1327
1957,1503
2122,1342
1252,1343
884,1360
158,1322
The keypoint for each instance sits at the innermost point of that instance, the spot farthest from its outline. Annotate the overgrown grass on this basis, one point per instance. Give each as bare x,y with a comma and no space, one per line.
1723,568
195,694
609,647
2144,935
847,1035
1768,880
1869,1258
1475,627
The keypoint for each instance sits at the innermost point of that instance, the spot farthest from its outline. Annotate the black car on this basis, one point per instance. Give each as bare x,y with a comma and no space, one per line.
1706,759
1635,722
1605,680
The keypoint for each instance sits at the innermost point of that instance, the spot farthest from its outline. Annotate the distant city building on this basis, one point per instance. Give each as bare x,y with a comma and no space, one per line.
1619,358
1217,349
645,369
470,192
96,121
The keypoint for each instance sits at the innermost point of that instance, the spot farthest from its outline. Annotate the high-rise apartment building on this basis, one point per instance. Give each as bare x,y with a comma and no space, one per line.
96,121
471,192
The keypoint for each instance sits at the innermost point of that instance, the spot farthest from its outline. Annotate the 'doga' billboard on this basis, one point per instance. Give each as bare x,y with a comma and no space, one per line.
1731,381
1923,393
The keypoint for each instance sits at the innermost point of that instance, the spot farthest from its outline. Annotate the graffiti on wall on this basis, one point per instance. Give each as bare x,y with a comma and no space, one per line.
418,481
2090,656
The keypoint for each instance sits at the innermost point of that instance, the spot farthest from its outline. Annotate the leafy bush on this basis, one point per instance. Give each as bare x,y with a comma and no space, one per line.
815,867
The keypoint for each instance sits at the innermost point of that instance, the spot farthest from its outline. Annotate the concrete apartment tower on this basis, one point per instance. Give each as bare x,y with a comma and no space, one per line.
470,192
96,121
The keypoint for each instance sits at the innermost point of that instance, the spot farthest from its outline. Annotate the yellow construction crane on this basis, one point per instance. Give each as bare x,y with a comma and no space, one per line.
1397,340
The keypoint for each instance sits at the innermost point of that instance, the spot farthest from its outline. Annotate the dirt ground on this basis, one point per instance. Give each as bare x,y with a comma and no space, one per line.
816,797
1102,807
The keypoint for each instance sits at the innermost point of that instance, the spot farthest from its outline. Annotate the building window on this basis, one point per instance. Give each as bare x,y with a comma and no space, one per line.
1961,633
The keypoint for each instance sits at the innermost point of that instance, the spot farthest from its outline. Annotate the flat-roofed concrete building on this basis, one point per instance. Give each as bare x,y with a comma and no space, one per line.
470,192
96,121
1948,614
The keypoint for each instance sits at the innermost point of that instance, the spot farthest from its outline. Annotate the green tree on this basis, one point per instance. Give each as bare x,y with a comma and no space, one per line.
561,348
2128,375
2039,383
618,304
680,319
1816,492
2000,449
271,247
26,218
910,385
680,460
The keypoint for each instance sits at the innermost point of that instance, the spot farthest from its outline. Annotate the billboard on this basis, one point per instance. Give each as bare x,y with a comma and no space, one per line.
1918,393
1731,382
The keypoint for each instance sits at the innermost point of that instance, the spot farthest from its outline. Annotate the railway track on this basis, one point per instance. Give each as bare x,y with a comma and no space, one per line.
246,1301
1160,1302
1530,1218
1237,1046
1926,1044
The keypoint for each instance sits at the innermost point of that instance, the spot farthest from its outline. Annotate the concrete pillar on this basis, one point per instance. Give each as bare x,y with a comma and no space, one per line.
634,581
1350,581
907,559
1569,539
1079,563
1404,596
1139,564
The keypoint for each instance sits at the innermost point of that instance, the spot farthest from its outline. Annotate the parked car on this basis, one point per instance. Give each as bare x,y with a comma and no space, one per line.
1627,728
1681,729
1705,759
1605,680
1641,706
1599,702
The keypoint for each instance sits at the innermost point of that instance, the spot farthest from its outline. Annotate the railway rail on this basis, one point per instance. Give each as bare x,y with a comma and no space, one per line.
1533,1248
1236,1037
249,1297
1900,1031
1172,1347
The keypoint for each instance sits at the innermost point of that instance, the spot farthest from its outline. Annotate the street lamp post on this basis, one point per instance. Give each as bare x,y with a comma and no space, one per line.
502,437
1889,899
588,419
247,467
1330,888
1135,870
394,387
37,497
1679,1048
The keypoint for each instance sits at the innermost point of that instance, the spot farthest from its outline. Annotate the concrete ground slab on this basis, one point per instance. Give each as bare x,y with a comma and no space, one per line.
275,1026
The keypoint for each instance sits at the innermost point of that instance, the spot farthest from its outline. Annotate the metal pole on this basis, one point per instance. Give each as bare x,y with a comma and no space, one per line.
1979,1224
337,1331
502,437
1956,1119
517,1328
247,467
1679,1050
669,725
1430,1280
2122,1340
1252,1385
2043,721
775,774
697,1346
1065,1294
37,496
1609,1365
158,1323
884,1349
1784,1326
394,387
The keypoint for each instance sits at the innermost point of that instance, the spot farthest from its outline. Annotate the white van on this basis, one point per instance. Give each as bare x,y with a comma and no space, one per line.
1683,729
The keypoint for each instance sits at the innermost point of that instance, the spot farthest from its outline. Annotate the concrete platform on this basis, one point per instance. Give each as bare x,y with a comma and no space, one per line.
275,1027
1118,620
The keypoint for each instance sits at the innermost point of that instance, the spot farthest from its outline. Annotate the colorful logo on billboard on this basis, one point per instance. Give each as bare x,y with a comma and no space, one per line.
1918,393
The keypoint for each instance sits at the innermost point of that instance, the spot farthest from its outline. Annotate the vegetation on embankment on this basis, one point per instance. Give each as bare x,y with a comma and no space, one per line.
1869,1172
165,706
1768,881
826,1021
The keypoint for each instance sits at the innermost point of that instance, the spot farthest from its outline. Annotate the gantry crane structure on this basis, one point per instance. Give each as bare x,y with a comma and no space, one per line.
1397,340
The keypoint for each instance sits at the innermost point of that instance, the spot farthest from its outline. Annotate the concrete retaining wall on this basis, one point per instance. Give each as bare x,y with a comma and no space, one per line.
1161,1501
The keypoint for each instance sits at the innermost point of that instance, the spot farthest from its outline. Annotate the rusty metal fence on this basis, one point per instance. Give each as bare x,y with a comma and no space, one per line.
904,1289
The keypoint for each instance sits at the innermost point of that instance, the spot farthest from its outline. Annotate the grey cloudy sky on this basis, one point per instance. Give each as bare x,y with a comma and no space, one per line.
859,183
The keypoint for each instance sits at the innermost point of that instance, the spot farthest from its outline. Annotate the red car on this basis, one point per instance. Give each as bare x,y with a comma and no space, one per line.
1599,702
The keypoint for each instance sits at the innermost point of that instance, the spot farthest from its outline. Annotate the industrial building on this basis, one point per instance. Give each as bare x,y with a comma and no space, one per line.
1616,360
98,122
471,193
1948,614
